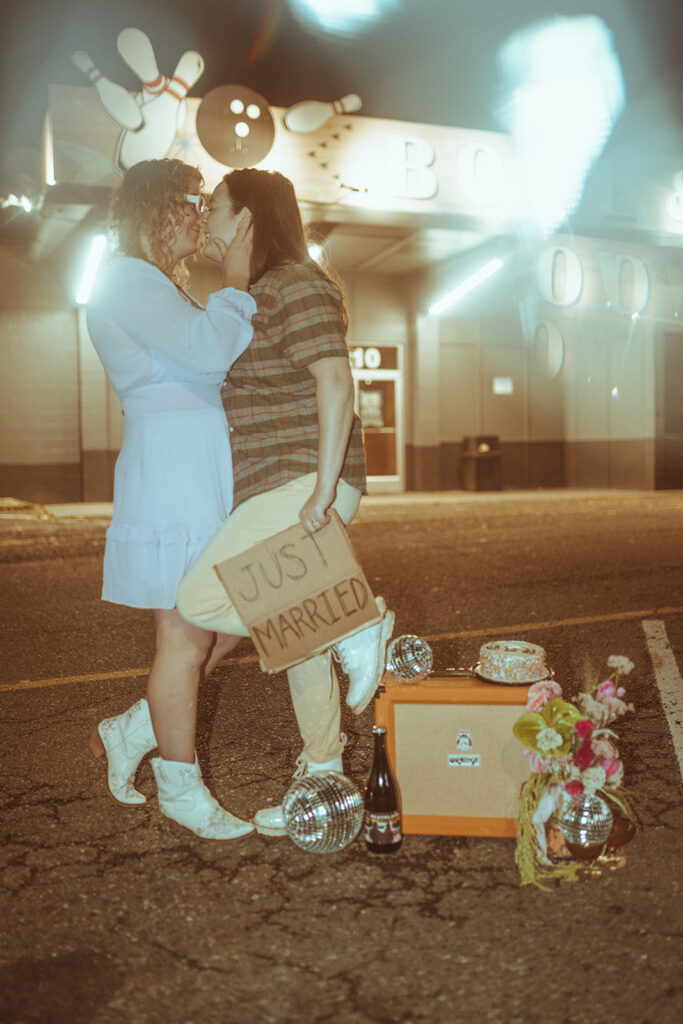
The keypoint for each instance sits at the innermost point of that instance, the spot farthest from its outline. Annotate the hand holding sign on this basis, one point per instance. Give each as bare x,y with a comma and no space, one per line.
299,592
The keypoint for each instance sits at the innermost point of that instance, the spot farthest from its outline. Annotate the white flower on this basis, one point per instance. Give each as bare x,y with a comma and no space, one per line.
597,711
548,739
620,663
593,779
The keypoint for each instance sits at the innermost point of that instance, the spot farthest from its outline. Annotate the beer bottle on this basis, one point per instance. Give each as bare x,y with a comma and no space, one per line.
382,828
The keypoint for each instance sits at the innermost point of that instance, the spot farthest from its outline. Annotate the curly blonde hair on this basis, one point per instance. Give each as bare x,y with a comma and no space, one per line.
147,209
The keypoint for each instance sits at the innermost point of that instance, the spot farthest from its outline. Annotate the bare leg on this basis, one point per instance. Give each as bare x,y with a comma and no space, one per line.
181,650
223,644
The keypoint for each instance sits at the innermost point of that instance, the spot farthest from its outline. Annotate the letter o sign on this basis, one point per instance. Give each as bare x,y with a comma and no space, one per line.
633,283
559,275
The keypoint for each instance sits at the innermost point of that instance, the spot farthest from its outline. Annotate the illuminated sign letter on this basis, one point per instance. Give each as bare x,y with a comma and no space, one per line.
559,275
409,161
481,174
627,282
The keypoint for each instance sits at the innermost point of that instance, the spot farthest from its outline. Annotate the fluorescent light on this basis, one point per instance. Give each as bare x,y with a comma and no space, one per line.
23,201
97,247
467,285
48,152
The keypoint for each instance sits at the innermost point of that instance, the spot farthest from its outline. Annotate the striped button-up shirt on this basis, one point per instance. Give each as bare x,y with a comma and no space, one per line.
269,394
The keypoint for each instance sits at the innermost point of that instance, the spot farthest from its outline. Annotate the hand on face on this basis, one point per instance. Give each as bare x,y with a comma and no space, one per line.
229,239
236,257
220,222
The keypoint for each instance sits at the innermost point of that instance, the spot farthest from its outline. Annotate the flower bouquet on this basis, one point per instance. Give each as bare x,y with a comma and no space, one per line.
573,759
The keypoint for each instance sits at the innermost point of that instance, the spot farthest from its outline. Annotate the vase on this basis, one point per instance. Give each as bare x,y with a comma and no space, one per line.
622,832
585,824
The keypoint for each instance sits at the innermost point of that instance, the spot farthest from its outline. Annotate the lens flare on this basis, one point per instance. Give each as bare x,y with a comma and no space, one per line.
562,92
341,17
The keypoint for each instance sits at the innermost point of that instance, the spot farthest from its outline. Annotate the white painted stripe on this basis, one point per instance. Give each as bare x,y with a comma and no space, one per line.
668,680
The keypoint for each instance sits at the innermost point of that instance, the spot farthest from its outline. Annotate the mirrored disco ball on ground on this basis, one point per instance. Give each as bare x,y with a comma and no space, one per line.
409,658
585,825
323,812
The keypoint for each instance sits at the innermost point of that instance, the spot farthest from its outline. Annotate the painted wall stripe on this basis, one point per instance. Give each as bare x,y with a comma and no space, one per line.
668,680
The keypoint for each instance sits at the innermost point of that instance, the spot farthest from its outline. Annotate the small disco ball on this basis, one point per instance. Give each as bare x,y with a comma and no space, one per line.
409,658
323,812
586,822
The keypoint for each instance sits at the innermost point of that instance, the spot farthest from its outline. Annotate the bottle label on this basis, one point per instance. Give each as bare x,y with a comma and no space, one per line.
382,829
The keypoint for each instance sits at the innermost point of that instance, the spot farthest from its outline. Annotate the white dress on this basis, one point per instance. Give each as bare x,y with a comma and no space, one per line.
166,359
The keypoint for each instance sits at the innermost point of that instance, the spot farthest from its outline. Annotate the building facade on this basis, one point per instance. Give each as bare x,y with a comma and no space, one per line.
566,364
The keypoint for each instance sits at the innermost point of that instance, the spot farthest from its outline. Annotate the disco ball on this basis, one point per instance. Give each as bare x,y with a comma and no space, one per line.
409,658
585,824
323,812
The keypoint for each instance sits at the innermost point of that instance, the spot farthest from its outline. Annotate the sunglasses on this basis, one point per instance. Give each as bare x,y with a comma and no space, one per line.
198,202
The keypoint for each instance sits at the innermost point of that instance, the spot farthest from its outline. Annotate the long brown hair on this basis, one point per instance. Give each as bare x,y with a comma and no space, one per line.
147,208
279,236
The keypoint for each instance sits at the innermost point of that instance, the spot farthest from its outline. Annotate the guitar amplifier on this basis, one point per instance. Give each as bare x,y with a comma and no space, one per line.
458,766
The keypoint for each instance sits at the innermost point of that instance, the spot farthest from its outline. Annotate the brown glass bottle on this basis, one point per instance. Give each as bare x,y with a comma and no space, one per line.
382,826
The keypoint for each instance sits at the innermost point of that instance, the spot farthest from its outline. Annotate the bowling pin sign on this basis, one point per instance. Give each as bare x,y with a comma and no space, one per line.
117,101
310,115
137,51
153,140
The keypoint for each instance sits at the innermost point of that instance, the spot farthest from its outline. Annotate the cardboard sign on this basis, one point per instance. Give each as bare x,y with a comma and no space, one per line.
298,593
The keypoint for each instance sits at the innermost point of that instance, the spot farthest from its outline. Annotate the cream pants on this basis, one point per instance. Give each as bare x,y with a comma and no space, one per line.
203,600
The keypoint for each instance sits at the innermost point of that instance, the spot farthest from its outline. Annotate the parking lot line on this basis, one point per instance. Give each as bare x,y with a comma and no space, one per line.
668,680
525,627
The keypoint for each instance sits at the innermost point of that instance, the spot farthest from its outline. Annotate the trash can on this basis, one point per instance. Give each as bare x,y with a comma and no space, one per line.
481,463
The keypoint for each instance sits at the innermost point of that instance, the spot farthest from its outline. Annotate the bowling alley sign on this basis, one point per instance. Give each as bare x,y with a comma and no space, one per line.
94,134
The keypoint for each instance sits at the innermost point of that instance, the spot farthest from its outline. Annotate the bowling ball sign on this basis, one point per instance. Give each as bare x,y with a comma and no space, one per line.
235,126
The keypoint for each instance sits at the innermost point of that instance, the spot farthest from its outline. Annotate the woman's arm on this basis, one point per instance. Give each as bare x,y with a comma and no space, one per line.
137,298
334,399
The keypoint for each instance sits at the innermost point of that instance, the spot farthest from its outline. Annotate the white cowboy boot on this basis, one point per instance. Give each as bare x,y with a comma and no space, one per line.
269,821
363,657
184,798
125,739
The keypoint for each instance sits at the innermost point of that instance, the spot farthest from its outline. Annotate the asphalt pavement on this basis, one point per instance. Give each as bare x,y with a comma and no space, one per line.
112,915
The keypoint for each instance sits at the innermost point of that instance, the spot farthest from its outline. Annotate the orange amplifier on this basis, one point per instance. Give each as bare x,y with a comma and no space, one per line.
450,742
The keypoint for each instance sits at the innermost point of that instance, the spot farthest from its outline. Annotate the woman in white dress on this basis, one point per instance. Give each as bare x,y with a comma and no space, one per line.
166,357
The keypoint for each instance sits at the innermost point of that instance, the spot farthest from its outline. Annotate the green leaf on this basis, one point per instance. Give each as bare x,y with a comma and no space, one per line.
527,728
557,714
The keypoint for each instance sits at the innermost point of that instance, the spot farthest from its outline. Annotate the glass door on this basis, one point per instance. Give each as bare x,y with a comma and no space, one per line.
379,405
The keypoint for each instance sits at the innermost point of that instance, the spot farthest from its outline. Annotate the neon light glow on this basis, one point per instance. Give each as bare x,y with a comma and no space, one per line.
471,282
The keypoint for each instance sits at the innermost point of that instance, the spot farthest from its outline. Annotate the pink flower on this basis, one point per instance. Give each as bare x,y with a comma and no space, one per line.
537,763
607,689
584,755
574,789
610,765
540,693
584,728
